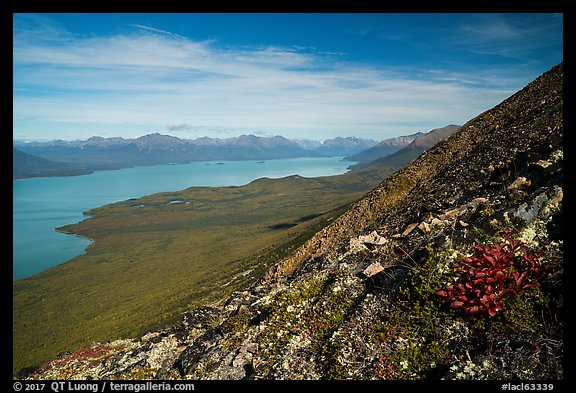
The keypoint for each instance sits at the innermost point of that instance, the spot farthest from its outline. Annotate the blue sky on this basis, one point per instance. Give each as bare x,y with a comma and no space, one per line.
313,76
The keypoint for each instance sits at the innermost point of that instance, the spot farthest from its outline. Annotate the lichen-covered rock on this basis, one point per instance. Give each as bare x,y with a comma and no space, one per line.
373,269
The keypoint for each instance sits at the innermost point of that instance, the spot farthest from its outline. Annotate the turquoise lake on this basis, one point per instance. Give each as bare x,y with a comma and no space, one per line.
42,204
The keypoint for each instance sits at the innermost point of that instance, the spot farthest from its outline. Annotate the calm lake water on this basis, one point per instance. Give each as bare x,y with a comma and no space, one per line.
42,204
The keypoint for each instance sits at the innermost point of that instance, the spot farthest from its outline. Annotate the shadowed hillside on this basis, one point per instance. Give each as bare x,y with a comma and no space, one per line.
27,165
401,157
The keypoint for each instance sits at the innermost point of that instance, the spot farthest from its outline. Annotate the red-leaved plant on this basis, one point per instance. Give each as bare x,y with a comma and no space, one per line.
492,273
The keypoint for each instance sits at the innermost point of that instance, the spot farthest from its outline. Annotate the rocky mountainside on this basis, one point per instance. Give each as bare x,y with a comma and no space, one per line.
450,269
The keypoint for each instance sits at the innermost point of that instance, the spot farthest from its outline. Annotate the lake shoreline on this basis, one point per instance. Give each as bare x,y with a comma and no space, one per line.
52,203
65,232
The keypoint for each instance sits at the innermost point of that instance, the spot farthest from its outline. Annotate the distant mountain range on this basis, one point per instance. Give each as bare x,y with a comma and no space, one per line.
98,153
342,146
66,158
157,149
62,158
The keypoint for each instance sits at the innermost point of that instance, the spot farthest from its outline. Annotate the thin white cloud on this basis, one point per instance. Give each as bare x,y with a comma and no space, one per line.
494,29
507,36
148,77
152,29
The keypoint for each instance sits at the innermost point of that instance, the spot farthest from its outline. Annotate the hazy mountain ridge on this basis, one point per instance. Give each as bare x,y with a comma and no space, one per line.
409,152
99,153
384,148
27,165
359,299
344,146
